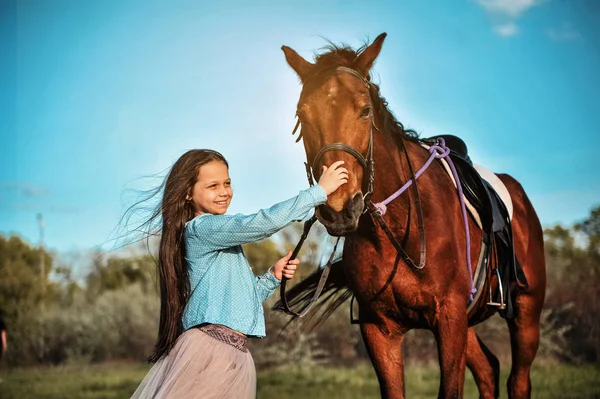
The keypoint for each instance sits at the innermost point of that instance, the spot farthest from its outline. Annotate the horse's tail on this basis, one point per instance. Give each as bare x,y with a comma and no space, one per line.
335,293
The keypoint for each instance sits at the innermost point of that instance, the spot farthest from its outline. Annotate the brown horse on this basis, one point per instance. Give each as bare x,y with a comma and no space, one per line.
341,105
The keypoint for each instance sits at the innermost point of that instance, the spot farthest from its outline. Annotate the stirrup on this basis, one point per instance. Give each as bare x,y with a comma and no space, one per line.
500,305
353,320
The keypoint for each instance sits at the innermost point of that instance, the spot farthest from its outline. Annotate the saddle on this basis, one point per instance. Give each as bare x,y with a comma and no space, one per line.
498,255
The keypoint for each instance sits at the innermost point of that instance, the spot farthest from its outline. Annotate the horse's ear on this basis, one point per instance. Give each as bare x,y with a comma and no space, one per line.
366,59
298,64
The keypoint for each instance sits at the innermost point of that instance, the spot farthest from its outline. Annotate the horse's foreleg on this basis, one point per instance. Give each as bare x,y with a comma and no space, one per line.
451,335
524,339
385,350
484,365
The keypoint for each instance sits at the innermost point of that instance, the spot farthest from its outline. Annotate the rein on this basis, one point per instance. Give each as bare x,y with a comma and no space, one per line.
377,210
286,307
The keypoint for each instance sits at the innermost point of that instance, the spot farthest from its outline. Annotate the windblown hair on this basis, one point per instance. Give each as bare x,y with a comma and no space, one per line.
168,220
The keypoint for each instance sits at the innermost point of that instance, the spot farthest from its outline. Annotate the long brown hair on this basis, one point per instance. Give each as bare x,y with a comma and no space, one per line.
174,212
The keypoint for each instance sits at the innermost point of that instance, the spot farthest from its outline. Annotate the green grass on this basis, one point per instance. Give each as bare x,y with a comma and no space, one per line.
549,382
111,380
119,380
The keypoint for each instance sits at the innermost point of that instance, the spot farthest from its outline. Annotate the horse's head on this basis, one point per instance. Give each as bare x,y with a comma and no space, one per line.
337,116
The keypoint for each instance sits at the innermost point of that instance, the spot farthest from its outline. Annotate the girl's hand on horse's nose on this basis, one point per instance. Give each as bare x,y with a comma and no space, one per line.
333,177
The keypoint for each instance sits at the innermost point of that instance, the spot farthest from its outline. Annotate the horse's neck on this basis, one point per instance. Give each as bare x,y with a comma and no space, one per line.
391,166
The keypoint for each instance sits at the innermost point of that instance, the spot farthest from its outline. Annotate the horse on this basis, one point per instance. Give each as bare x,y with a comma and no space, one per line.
343,116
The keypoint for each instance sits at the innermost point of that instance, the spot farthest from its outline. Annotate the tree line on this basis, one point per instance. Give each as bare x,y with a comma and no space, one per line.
54,318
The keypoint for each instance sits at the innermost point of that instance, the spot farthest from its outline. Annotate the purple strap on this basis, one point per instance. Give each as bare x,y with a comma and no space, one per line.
439,151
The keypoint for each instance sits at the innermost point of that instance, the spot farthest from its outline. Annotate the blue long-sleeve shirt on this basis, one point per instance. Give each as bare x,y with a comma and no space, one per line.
224,289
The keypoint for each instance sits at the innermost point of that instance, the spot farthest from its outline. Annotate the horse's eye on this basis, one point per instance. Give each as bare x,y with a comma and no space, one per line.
366,112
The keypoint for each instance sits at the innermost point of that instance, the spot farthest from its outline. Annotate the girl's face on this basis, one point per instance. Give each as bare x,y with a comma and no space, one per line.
212,192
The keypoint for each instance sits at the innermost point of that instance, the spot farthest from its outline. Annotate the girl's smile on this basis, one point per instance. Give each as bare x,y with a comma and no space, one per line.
212,192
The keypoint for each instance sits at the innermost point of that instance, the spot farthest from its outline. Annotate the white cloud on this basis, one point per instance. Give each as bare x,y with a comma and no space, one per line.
563,33
24,190
513,8
505,13
507,30
39,207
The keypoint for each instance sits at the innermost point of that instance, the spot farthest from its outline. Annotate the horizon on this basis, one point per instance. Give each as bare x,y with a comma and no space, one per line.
97,96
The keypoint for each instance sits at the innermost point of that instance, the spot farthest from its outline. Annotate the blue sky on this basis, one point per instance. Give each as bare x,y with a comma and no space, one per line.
95,95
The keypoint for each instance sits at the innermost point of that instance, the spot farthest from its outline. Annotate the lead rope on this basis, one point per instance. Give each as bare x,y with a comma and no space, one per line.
437,151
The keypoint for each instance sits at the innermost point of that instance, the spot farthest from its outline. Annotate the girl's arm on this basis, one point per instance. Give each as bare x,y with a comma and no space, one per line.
266,285
225,231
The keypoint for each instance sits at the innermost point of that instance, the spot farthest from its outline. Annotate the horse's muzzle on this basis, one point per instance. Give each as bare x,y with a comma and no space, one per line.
344,222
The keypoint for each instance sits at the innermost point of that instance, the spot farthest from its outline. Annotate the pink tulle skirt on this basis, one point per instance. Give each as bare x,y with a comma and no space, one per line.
200,366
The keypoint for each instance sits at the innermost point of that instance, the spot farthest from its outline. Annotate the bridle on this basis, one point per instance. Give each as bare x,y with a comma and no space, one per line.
366,162
368,165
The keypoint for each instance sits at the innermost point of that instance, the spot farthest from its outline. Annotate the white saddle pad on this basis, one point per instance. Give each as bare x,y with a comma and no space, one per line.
497,184
488,176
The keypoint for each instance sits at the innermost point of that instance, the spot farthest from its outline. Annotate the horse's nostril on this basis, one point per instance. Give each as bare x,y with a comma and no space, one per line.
327,213
354,206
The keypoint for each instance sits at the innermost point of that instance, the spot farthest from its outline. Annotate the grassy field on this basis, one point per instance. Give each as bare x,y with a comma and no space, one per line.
118,380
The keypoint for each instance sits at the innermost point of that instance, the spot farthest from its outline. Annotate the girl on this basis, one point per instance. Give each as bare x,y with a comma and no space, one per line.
211,302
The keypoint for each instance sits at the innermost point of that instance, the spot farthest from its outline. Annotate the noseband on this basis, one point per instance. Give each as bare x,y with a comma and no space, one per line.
366,162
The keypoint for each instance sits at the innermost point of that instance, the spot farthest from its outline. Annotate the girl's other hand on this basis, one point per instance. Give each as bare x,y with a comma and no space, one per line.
333,177
285,267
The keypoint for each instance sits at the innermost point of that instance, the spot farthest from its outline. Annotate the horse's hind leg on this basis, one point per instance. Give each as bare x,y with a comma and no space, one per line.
524,339
525,326
484,365
384,344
